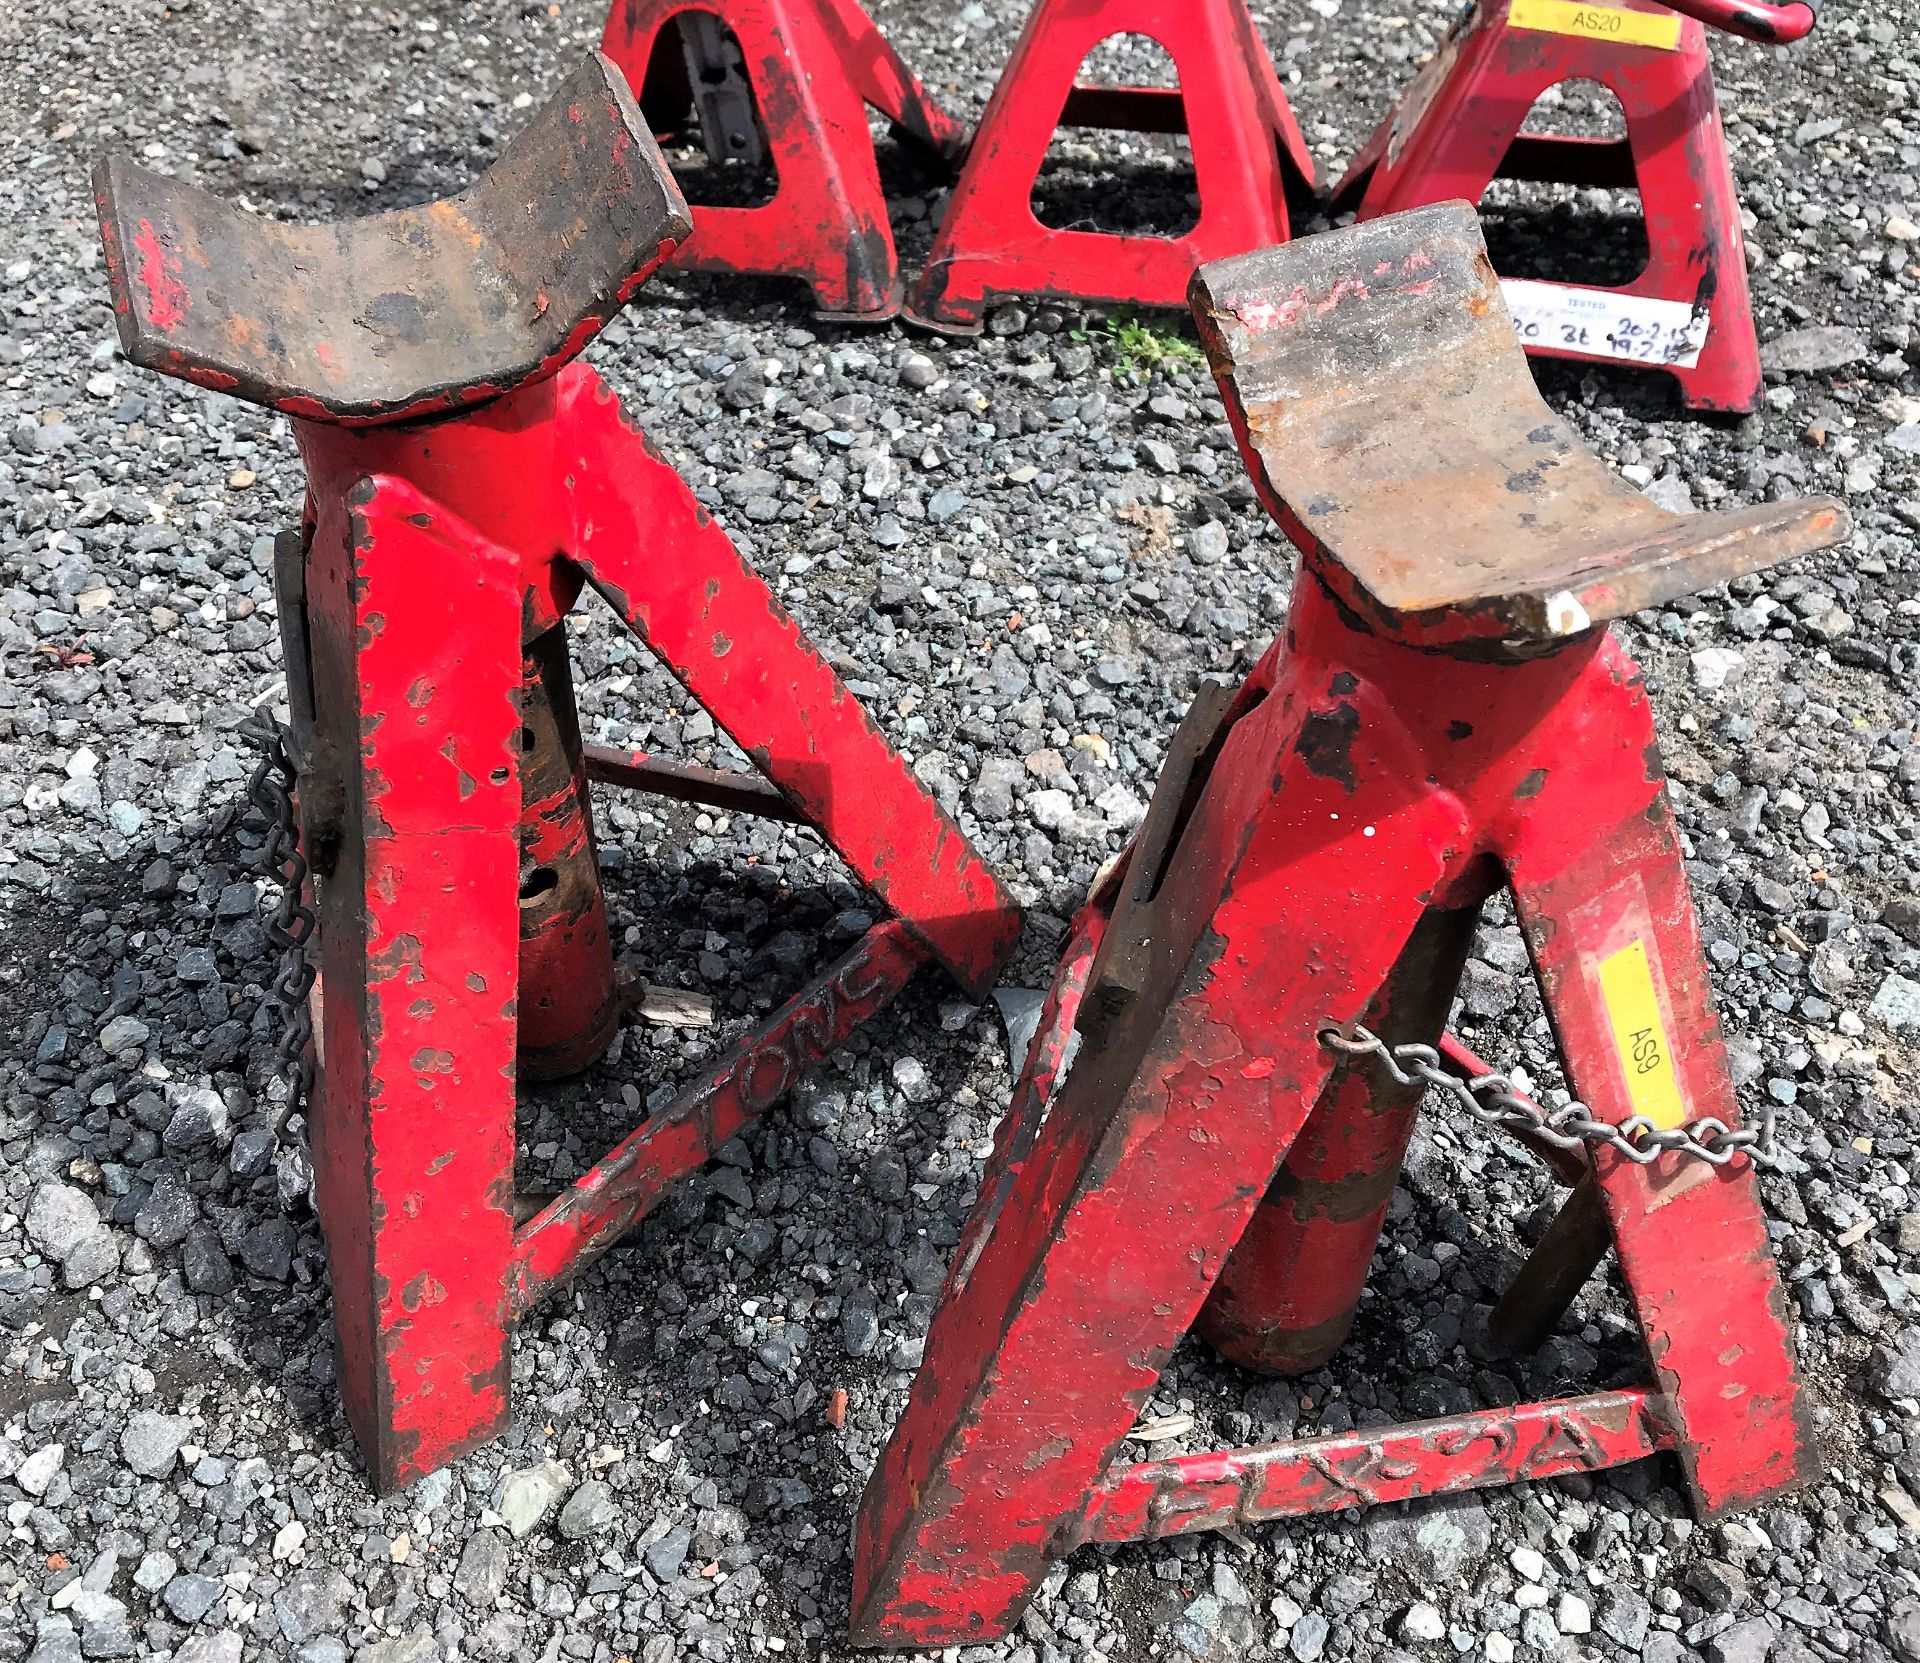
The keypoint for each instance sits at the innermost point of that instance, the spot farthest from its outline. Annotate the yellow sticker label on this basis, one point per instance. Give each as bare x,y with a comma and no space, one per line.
1640,1033
1564,17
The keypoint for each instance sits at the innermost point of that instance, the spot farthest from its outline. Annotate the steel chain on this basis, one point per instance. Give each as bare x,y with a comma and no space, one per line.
291,922
1492,1100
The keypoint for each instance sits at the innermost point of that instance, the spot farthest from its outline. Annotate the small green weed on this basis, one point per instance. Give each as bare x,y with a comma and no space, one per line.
1139,347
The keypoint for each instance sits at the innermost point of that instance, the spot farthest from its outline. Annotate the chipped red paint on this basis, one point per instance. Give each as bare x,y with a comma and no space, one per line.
1315,852
1239,1487
413,1167
816,66
622,512
444,801
159,277
1691,1239
1457,129
1247,151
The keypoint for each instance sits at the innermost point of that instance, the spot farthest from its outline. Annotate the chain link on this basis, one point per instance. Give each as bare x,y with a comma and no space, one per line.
1493,1101
291,922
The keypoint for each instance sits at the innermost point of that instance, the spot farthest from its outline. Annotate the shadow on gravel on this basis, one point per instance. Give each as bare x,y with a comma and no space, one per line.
738,935
762,1289
36,938
213,1231
1634,391
1543,232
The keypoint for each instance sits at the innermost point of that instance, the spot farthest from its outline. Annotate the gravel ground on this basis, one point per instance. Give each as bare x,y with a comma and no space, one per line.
174,1467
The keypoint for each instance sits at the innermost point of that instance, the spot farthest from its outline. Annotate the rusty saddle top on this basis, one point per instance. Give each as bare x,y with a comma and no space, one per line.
1386,411
404,313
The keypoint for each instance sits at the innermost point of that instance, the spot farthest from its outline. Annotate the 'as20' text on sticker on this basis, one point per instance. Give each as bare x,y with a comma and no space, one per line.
1563,17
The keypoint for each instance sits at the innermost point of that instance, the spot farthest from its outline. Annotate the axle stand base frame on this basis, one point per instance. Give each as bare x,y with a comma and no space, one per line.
815,66
1442,719
463,931
1247,150
1458,128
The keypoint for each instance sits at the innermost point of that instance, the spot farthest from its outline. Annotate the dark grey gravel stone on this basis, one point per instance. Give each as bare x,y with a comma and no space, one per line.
312,1603
1751,1641
204,1263
191,1596
151,1442
588,1511
482,1573
665,1557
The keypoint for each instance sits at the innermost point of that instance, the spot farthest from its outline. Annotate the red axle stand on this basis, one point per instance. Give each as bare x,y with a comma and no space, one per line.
1246,147
813,67
1458,128
1442,718
443,781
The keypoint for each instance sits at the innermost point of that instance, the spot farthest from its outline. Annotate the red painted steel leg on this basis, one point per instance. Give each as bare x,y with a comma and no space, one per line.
1693,227
1454,125
1455,131
815,65
1245,144
656,555
883,79
569,1011
1595,910
1240,1487
1287,1297
1153,1156
414,626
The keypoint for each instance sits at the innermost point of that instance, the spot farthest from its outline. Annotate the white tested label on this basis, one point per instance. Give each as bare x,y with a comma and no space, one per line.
1634,328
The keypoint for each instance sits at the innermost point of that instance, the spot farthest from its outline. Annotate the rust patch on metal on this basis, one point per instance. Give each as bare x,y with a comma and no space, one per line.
1326,743
1239,1488
1375,383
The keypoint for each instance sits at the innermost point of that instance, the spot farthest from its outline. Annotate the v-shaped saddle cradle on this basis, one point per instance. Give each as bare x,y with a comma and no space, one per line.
400,314
466,480
1378,368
